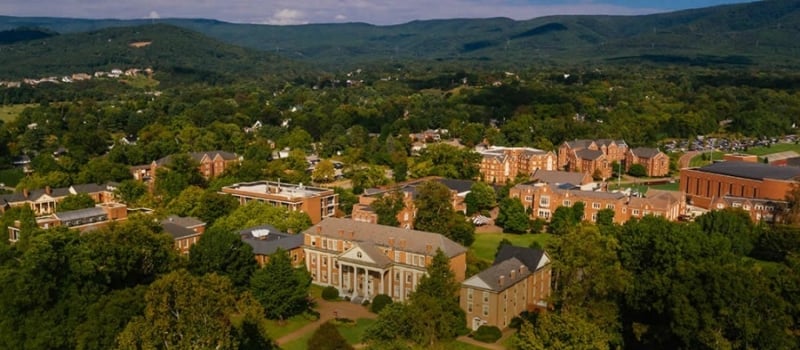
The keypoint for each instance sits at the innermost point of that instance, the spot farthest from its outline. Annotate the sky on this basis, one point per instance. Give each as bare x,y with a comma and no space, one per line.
381,12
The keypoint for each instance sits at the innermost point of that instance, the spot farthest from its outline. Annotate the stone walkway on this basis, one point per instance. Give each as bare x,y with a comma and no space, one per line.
328,310
498,345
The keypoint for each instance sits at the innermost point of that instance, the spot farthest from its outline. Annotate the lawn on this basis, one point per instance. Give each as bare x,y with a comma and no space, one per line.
778,147
675,186
11,177
702,158
485,244
277,330
11,112
352,334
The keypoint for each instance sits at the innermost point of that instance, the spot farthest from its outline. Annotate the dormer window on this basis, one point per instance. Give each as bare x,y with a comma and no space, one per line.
358,254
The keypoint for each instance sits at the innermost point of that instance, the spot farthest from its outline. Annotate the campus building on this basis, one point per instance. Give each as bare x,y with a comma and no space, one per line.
45,201
318,203
80,219
655,162
760,189
210,165
266,240
363,260
592,157
185,230
519,280
502,164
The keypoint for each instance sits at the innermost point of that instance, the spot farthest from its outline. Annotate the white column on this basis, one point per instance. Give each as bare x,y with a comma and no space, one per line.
341,272
382,291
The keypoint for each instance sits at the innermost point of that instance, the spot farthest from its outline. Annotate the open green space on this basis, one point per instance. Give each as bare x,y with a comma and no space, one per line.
673,186
705,158
485,244
352,333
11,112
11,177
779,147
277,329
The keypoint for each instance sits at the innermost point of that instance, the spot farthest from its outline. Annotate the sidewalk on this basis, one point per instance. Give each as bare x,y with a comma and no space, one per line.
326,310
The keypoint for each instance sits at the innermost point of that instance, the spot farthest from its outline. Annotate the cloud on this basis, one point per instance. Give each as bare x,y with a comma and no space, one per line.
340,17
284,17
153,15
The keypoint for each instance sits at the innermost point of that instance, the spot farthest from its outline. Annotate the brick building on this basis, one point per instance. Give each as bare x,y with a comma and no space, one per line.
185,230
362,211
519,280
45,201
743,180
266,240
363,260
591,156
502,164
655,162
210,165
318,203
543,200
80,219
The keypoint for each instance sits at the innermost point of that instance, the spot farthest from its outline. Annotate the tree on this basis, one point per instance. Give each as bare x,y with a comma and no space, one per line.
107,317
562,221
512,216
256,213
387,207
578,210
435,214
327,337
605,217
129,191
223,252
281,289
392,325
75,202
734,224
367,177
346,199
187,312
435,303
481,196
101,170
323,172
554,331
214,205
638,170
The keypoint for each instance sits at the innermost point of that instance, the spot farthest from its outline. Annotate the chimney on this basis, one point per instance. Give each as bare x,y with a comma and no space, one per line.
319,229
522,269
341,233
352,234
403,243
25,192
501,280
428,248
48,190
512,274
391,242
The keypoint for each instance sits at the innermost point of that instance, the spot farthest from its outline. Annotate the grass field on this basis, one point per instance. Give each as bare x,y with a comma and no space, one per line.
698,160
352,334
277,330
485,244
11,112
778,147
11,177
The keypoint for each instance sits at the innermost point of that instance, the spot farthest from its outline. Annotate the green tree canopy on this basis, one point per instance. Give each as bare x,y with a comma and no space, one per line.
256,213
223,252
280,288
75,202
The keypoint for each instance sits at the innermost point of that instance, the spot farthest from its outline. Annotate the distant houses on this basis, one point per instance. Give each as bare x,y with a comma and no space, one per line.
211,164
318,203
45,201
500,165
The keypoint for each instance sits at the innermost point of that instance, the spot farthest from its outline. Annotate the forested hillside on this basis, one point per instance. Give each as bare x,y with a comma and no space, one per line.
758,33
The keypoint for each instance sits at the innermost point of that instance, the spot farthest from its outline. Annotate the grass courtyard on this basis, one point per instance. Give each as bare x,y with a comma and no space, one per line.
485,244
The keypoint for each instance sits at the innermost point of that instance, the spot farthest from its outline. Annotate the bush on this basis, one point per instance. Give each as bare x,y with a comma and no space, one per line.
488,334
365,303
379,302
312,315
328,337
638,170
330,293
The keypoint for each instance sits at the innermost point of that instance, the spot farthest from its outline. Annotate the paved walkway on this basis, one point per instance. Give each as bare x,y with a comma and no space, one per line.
498,345
327,309
686,158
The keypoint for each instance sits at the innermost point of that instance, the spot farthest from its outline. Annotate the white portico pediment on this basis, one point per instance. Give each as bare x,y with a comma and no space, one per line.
44,198
357,254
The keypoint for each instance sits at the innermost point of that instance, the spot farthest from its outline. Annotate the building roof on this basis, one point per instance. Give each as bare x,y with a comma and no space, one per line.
490,278
198,156
558,177
459,186
80,214
532,258
33,195
177,231
185,221
286,191
645,152
781,156
755,171
266,239
415,241
373,253
589,154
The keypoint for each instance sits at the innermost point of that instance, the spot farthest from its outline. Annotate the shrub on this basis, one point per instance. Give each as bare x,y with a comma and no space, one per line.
328,337
330,293
488,334
379,302
365,303
638,170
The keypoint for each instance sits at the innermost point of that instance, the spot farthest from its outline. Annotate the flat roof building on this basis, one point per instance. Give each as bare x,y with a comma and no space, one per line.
318,203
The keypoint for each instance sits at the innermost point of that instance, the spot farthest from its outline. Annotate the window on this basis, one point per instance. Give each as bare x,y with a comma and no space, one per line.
469,307
567,203
397,255
544,201
396,276
636,212
485,309
408,278
594,217
595,205
528,198
544,213
485,297
609,206
358,254
469,294
324,261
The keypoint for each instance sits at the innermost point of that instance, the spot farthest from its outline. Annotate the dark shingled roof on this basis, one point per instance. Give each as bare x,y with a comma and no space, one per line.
529,256
269,243
589,154
177,231
558,177
491,276
755,171
645,152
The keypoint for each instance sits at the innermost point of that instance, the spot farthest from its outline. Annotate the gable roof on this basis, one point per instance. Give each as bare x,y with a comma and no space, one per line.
532,258
266,239
490,278
177,231
589,154
558,177
378,258
645,152
379,235
754,171
80,214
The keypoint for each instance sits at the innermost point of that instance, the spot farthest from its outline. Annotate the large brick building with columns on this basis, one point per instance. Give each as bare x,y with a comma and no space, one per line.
363,260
